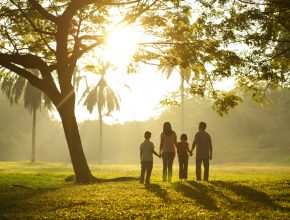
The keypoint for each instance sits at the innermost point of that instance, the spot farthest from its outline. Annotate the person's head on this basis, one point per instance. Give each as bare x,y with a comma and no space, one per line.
202,126
147,135
183,137
167,129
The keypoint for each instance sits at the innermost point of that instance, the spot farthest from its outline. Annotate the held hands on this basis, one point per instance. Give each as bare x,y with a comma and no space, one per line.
190,153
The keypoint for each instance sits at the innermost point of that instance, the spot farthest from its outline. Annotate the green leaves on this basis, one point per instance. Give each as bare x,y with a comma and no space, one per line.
102,96
16,87
224,102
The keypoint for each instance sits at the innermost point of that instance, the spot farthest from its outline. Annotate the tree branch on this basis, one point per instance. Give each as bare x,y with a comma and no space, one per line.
112,2
32,79
42,11
46,84
28,61
76,5
30,21
36,29
86,49
10,39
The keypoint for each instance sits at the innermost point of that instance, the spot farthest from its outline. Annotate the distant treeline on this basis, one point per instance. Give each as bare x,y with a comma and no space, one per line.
250,133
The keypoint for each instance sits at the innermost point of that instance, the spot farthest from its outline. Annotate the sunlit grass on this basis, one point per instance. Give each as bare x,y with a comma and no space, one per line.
234,192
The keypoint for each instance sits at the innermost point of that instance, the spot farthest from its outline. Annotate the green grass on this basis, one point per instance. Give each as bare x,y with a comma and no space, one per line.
234,192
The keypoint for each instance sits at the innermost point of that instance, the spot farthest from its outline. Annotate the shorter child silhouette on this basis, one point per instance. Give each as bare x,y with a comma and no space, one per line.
183,153
146,156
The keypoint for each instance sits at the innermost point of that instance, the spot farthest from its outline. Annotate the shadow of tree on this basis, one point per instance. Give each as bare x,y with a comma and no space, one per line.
158,191
71,178
197,192
20,194
119,179
249,193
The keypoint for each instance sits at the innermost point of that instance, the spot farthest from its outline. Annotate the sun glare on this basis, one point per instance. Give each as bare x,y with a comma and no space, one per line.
121,44
140,93
226,84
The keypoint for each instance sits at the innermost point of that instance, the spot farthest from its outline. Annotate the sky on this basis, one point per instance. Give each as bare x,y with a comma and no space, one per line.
140,93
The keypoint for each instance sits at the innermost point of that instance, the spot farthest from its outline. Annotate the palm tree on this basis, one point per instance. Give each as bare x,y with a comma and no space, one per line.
104,97
185,74
33,98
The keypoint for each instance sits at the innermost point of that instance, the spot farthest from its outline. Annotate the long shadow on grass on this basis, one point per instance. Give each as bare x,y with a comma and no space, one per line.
249,193
158,191
118,179
17,198
100,180
196,192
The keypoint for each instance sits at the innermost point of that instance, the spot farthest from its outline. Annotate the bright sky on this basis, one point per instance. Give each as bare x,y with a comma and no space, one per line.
140,93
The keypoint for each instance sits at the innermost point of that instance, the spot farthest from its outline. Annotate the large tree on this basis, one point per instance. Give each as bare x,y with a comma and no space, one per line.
51,36
200,35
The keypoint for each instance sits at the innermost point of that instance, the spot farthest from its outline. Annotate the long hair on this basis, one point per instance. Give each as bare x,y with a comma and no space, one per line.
167,129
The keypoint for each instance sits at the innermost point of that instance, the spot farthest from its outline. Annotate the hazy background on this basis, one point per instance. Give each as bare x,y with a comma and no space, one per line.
251,133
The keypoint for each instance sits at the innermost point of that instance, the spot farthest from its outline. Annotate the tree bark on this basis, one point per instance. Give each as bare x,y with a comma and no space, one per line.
78,159
101,139
182,103
33,135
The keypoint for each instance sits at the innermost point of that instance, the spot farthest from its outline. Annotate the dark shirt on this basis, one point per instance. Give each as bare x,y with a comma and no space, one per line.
203,144
182,150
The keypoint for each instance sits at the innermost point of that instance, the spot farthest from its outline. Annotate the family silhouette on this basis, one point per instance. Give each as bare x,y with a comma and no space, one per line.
167,151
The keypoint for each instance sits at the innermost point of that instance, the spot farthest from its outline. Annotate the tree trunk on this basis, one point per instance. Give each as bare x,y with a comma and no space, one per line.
100,138
78,159
33,134
182,103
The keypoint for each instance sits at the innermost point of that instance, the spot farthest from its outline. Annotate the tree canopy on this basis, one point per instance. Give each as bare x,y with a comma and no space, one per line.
247,41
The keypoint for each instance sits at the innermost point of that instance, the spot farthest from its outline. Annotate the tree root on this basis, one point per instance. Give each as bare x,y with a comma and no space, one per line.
20,186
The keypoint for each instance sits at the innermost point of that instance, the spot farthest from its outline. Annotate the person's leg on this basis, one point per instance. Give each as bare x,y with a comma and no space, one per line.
206,169
180,168
185,168
198,169
165,166
143,168
149,170
170,163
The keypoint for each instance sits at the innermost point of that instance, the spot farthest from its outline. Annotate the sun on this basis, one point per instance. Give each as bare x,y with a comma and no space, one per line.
121,44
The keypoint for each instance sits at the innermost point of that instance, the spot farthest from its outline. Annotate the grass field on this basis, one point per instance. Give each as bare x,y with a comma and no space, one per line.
38,191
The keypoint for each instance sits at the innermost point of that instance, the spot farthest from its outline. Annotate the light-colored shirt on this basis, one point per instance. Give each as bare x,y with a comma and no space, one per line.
203,144
147,149
168,142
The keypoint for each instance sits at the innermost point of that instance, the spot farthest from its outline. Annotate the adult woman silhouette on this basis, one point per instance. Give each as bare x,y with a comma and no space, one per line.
168,141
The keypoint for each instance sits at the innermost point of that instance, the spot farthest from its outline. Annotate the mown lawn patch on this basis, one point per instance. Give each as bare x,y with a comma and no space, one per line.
234,192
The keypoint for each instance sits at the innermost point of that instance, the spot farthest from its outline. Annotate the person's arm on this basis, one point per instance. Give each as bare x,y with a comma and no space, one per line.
158,155
193,146
175,139
194,143
141,153
154,152
188,150
210,148
161,144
